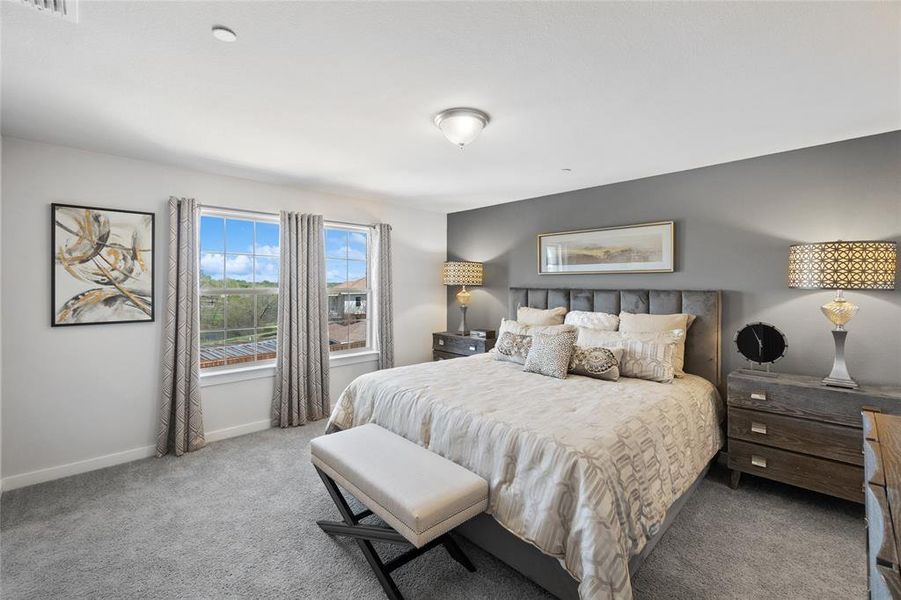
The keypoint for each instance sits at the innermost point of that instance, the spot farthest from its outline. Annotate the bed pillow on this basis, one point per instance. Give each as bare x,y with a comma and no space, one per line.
649,360
597,362
537,316
592,320
632,352
550,353
513,347
523,329
645,323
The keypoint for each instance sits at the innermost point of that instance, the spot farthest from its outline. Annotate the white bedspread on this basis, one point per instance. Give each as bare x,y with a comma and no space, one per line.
583,469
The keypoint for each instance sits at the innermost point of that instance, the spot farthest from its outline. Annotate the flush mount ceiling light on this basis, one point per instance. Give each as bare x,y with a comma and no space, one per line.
224,34
461,125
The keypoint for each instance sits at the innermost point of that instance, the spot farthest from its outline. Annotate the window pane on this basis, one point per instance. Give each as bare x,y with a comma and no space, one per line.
266,310
211,352
239,311
238,270
335,273
212,312
335,243
212,234
357,334
267,239
337,335
238,235
266,271
239,346
356,274
212,270
356,248
266,343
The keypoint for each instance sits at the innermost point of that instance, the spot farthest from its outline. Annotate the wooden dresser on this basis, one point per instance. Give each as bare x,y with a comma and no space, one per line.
792,428
882,451
448,344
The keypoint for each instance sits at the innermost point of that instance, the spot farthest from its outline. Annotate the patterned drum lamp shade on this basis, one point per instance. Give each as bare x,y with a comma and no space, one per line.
840,265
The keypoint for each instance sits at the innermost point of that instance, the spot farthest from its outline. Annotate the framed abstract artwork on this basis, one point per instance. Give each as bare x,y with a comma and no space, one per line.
644,248
102,269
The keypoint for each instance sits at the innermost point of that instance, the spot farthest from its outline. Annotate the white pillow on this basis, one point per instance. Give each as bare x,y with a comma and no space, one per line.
645,323
592,320
537,316
633,344
520,328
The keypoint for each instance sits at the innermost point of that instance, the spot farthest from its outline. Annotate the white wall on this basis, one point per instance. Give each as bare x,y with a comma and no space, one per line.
84,397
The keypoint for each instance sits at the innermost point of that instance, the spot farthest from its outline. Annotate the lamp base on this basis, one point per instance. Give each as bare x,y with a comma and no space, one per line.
464,330
839,377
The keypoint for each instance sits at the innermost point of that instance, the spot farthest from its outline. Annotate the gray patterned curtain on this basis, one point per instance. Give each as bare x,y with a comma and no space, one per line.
302,369
181,418
385,325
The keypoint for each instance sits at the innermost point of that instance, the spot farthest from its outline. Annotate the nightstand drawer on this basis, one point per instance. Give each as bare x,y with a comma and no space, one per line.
458,344
818,474
438,355
824,440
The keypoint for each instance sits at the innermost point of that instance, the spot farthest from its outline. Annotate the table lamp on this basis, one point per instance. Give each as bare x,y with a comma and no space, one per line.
839,266
463,273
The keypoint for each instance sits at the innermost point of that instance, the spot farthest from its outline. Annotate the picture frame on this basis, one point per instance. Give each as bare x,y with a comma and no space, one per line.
639,248
102,265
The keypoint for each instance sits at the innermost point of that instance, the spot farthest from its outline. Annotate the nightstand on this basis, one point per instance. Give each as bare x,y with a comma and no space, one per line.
448,344
793,429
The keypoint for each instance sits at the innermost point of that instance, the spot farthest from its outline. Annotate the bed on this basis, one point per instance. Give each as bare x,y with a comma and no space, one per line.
584,475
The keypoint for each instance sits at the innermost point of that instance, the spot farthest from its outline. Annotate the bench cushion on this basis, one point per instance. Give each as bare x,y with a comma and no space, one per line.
417,492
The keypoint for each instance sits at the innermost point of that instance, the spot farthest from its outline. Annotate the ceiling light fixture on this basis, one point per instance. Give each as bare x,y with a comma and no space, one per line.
461,125
224,34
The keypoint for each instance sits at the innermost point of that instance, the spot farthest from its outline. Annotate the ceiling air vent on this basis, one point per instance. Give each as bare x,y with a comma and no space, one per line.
65,9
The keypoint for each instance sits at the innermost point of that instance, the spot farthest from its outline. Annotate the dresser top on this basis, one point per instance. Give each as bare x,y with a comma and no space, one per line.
814,383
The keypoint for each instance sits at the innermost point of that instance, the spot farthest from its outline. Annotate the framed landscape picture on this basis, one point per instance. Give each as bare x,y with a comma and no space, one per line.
644,248
102,269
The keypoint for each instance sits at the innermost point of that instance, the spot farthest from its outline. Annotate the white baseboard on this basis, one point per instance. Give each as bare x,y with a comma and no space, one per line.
117,458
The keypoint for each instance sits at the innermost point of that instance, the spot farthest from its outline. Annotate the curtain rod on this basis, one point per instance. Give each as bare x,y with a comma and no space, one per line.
275,214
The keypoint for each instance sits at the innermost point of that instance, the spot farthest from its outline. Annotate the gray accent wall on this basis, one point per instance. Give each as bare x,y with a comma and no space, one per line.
733,223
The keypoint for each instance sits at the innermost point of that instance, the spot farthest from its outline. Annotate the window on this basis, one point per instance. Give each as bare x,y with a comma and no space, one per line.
238,289
349,284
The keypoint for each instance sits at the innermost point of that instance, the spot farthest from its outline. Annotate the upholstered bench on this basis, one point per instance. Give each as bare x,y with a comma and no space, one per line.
419,494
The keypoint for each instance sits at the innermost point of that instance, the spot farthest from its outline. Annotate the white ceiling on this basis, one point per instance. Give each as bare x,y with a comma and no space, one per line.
339,96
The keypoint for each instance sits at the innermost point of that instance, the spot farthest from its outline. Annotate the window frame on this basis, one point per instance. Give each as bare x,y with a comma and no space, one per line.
254,365
371,346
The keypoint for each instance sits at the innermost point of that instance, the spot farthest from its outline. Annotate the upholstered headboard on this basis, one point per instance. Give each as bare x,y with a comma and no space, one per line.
702,345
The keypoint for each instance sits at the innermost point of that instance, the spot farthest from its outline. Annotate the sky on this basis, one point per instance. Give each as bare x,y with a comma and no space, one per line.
221,238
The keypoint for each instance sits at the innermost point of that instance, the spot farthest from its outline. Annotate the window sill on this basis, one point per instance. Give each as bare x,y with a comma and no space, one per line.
219,377
352,358
267,370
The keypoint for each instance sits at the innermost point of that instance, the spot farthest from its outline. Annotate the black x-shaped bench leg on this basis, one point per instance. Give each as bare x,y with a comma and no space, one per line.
364,535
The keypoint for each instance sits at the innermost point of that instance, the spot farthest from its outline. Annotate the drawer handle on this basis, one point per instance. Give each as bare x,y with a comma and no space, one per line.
758,461
472,348
758,427
440,342
758,395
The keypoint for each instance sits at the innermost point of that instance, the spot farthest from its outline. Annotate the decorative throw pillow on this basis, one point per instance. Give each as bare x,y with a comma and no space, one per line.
600,363
550,354
648,360
537,316
592,320
513,347
522,329
645,323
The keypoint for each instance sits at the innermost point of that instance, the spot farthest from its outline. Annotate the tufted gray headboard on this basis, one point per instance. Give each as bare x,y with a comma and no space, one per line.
702,345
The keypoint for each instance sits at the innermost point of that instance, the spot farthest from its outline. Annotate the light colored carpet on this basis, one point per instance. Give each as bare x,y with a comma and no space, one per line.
237,520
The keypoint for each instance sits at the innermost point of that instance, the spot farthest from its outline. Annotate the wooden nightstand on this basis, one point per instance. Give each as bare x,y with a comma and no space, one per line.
793,429
448,344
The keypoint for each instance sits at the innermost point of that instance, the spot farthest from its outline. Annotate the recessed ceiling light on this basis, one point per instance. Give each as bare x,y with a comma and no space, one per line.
567,170
224,34
461,125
